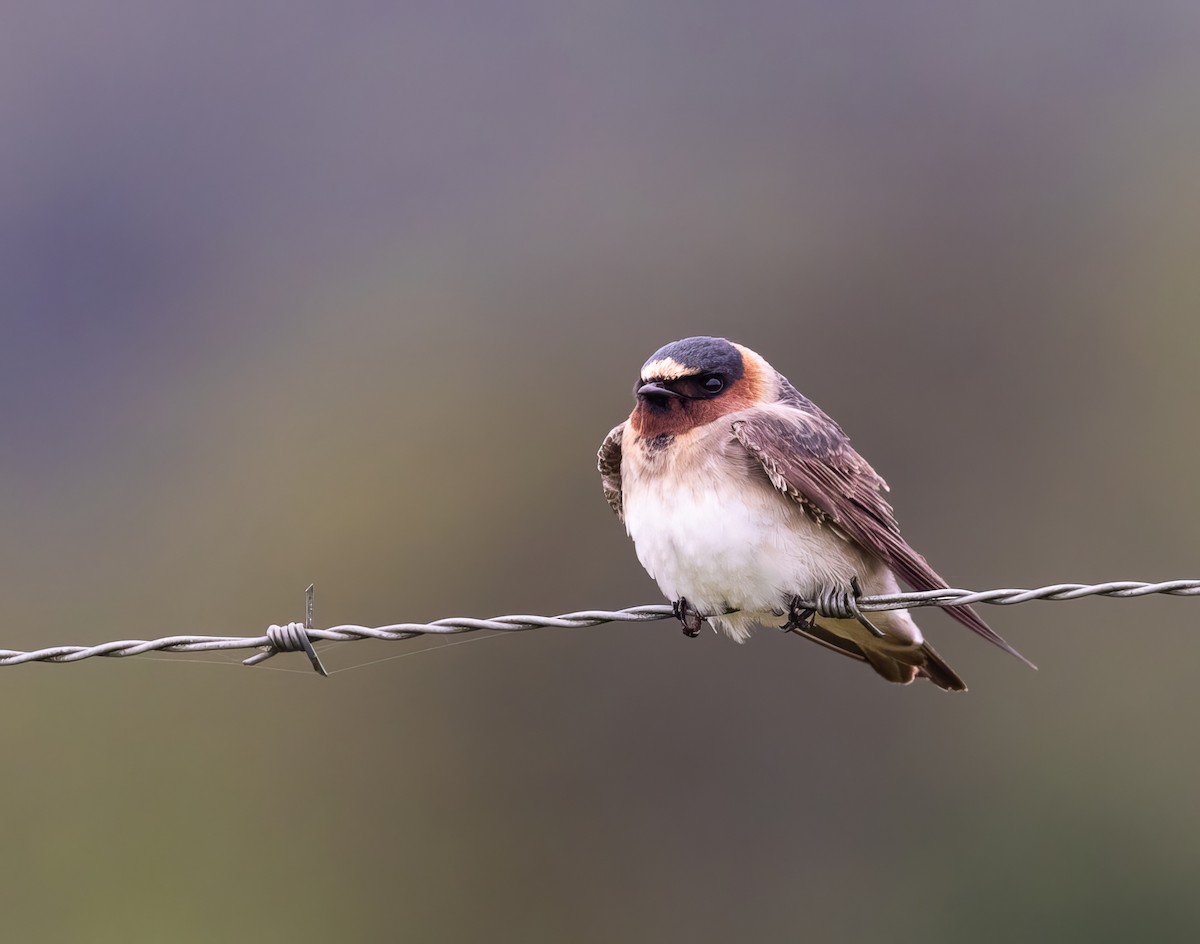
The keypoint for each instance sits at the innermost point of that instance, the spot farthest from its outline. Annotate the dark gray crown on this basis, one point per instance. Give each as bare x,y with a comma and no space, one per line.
702,355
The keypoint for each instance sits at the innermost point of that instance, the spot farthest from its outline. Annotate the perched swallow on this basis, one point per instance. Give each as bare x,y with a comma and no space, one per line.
744,499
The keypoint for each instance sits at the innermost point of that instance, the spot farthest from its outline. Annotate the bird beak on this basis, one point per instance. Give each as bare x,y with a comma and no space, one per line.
657,390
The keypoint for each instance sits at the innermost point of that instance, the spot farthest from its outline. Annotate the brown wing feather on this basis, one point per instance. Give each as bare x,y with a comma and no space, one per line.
608,461
806,456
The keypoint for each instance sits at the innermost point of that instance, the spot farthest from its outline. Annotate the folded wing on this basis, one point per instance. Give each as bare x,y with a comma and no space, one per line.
808,458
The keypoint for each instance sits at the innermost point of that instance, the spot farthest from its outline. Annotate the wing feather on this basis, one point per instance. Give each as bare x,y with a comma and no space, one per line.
608,461
806,456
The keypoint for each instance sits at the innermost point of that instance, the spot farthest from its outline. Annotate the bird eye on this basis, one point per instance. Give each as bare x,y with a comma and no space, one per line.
714,385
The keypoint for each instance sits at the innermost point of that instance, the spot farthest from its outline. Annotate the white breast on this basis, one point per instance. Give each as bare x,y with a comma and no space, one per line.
707,530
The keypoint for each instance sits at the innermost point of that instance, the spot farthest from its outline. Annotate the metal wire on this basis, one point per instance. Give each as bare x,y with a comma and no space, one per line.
293,636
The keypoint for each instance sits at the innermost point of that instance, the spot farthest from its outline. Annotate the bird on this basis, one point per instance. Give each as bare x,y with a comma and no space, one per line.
746,503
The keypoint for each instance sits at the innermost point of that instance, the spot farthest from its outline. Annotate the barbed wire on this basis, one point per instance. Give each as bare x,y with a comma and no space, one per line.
299,637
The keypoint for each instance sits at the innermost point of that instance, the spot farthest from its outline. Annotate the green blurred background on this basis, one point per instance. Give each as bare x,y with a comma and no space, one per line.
350,293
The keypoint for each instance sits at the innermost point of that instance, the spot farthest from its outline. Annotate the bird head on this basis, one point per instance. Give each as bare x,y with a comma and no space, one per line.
691,383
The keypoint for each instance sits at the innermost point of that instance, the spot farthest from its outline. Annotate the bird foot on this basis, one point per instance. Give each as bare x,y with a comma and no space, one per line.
799,616
688,616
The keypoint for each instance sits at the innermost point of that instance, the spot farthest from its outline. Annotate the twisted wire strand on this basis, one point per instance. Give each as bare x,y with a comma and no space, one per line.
291,636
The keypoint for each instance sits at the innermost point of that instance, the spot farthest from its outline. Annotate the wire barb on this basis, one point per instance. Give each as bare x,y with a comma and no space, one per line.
292,638
295,637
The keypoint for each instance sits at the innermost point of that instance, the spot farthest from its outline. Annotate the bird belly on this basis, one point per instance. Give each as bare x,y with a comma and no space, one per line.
727,543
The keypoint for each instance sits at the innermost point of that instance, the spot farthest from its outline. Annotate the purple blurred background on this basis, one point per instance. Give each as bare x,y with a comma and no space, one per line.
350,293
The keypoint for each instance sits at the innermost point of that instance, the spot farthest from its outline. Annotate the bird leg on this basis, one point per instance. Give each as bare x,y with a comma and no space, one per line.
688,616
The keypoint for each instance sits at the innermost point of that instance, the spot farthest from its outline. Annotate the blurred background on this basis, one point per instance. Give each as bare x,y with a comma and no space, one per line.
350,293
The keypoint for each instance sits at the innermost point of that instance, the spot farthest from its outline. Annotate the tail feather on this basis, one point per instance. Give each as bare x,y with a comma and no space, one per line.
898,665
934,668
923,662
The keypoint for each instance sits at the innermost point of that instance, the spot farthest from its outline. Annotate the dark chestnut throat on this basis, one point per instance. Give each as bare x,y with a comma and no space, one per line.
662,421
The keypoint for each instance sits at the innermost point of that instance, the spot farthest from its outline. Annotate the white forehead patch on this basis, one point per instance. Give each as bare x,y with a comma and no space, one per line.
665,368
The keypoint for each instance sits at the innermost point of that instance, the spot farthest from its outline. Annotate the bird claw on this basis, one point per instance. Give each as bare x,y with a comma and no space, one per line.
799,617
688,616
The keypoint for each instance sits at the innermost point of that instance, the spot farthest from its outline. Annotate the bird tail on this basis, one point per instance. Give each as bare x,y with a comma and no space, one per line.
921,662
934,668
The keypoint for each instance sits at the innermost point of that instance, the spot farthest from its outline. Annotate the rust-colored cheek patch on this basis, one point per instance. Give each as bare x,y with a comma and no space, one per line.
751,388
